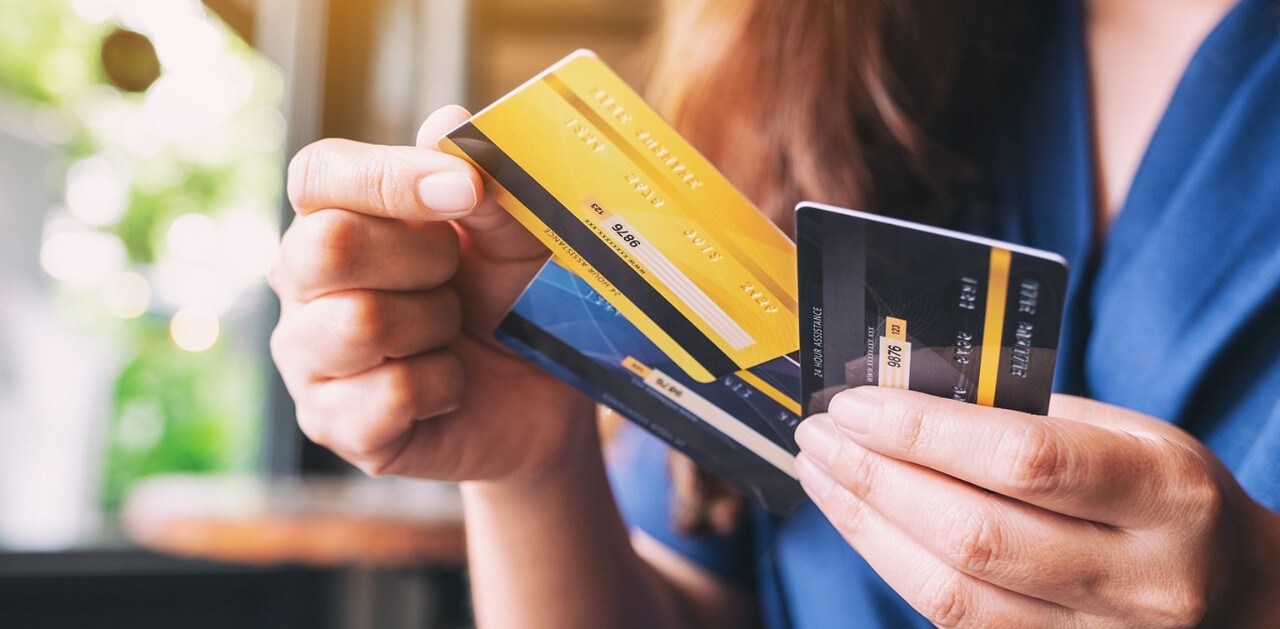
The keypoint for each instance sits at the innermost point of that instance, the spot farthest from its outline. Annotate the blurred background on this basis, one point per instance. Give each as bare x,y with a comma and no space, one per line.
151,474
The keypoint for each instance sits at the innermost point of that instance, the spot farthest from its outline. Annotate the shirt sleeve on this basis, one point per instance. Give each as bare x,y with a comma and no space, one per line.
642,484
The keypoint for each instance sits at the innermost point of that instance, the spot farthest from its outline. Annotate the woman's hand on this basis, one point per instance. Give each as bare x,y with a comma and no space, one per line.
1093,516
392,279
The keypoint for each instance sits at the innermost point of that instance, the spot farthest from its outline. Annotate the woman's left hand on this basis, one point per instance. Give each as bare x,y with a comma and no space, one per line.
1093,516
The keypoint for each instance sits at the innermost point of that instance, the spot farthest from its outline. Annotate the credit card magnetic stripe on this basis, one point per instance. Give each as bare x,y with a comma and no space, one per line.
520,184
662,180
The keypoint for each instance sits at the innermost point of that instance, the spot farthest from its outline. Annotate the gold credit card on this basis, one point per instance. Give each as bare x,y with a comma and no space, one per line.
627,204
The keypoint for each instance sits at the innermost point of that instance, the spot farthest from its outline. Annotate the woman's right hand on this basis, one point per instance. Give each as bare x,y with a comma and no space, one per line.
392,279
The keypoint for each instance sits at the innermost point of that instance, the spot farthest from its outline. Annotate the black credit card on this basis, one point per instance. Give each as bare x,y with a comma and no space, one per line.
896,304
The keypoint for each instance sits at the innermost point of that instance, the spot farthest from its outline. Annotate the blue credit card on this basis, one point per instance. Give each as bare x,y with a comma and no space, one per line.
740,426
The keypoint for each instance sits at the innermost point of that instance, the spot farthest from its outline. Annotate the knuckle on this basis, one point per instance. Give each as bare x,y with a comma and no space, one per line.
362,446
335,245
1200,496
442,241
370,444
360,320
860,471
1190,612
294,370
438,382
399,390
973,543
374,467
942,599
910,434
277,343
277,279
848,512
1041,464
369,456
1183,605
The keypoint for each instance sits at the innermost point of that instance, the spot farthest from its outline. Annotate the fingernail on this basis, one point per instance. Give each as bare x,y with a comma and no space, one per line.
855,410
812,477
818,438
448,192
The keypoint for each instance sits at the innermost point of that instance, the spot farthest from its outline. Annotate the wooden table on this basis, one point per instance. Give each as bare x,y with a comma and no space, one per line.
313,521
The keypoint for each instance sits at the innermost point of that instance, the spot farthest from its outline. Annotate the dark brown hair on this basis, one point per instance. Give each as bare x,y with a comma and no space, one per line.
882,105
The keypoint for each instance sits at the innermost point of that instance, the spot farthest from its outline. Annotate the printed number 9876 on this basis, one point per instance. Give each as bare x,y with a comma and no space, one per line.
893,355
626,235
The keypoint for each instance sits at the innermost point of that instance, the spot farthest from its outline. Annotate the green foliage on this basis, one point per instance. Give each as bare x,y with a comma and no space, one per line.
45,54
177,411
172,410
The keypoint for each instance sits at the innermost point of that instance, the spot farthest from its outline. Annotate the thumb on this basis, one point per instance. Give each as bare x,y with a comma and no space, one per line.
490,230
440,122
499,256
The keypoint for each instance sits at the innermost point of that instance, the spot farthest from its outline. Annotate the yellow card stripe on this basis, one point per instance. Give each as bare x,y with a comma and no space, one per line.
993,327
659,178
770,390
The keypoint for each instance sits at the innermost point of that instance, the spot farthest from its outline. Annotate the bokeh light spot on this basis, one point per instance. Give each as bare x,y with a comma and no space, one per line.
192,237
82,258
194,329
127,296
97,190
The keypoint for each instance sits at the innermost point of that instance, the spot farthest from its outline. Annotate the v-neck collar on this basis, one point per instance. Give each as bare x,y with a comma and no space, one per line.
1180,275
1209,82
1128,334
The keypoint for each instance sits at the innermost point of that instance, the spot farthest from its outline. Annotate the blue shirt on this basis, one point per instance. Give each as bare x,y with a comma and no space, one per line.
1177,315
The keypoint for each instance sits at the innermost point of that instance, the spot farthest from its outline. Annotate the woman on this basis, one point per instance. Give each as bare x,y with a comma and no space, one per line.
1136,137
